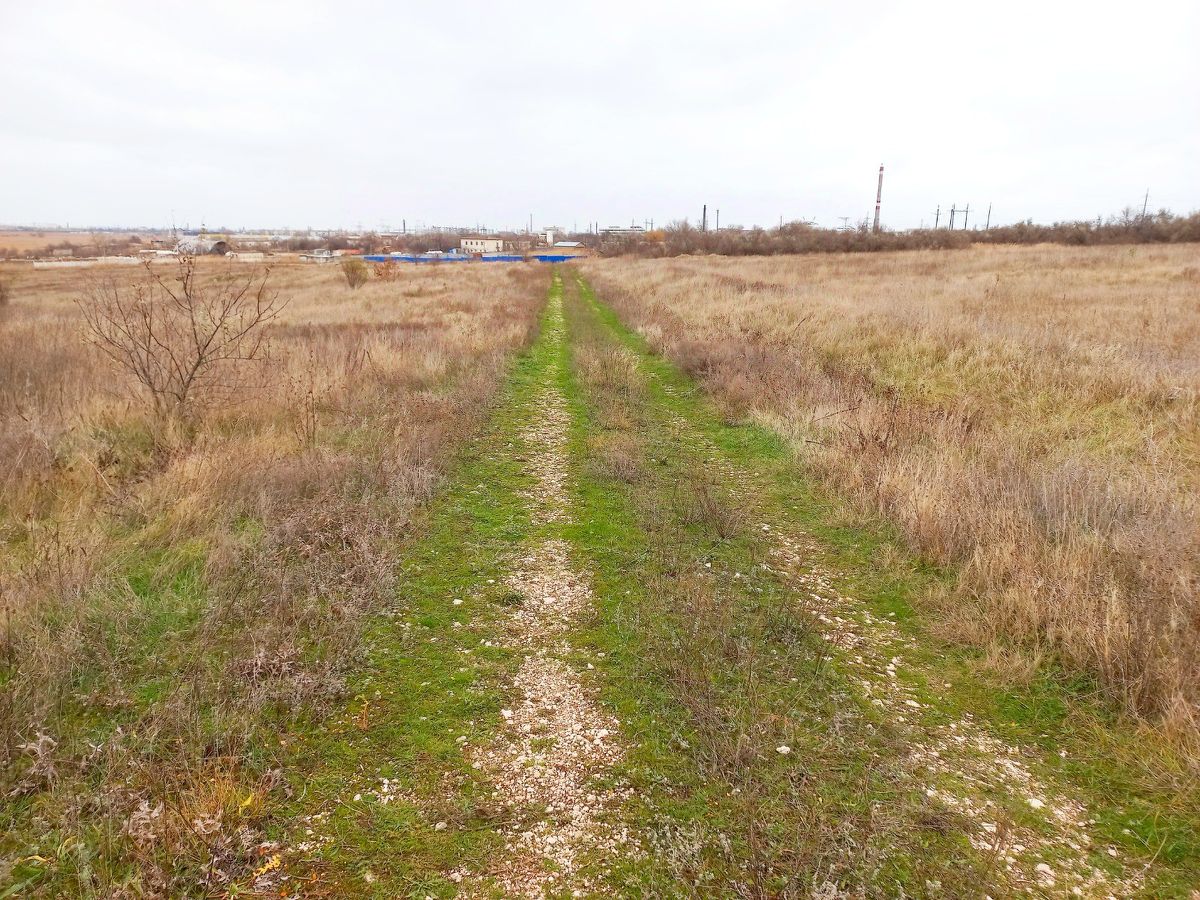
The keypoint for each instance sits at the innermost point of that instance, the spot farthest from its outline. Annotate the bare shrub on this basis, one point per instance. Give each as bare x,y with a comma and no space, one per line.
388,271
617,456
356,272
700,502
5,291
181,339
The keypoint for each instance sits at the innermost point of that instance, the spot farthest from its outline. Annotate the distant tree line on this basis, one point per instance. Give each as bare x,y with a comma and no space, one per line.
682,238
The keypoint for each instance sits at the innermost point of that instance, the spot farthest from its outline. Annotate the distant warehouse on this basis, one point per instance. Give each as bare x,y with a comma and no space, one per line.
481,245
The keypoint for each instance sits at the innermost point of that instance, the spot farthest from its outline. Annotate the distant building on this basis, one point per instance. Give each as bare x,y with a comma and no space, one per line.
244,241
571,248
622,232
481,245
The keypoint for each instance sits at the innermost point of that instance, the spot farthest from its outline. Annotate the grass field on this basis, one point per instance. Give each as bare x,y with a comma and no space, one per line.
172,600
650,579
17,243
1029,416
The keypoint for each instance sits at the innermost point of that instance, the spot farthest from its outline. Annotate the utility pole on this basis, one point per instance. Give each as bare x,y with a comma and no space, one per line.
966,212
1145,202
936,216
718,228
952,212
878,198
988,224
704,218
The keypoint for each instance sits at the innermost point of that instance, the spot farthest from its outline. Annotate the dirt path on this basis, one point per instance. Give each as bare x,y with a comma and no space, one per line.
954,759
557,740
1030,834
779,734
957,762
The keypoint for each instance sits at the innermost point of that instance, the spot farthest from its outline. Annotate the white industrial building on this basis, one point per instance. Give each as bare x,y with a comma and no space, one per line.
481,245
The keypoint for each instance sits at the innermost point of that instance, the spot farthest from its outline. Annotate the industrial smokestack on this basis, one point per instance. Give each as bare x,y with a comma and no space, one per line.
878,198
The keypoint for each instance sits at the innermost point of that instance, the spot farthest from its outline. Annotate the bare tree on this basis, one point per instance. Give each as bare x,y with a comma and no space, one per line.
180,337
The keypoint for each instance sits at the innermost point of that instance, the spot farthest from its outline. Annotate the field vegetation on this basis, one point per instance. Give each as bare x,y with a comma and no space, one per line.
683,238
636,655
1028,417
178,586
779,576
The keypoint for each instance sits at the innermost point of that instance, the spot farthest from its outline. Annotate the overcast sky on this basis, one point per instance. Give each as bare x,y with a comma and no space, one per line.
340,114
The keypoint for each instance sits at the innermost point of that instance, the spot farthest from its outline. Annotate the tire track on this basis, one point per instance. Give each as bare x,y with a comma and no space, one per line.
958,763
557,742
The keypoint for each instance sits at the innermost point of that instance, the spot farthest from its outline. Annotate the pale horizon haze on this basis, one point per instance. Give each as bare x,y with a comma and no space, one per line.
328,115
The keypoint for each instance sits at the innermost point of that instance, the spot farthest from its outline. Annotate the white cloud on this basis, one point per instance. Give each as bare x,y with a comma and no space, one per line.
306,113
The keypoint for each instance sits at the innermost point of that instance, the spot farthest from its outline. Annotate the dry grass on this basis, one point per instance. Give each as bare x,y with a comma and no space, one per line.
170,605
1029,415
16,243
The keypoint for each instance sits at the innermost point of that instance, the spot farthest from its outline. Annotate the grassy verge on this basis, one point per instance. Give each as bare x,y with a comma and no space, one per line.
691,608
387,801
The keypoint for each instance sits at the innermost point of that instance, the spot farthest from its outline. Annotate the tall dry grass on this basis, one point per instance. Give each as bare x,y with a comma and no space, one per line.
1029,415
169,605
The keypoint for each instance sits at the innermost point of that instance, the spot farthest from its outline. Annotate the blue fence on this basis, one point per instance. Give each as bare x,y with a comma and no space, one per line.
411,258
456,257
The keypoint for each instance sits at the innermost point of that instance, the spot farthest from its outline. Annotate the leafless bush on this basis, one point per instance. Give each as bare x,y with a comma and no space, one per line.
388,271
356,272
5,291
180,339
